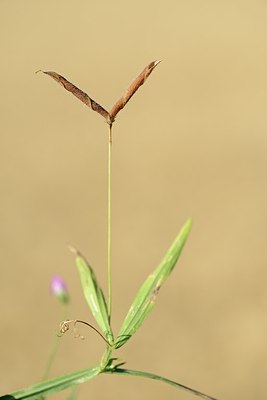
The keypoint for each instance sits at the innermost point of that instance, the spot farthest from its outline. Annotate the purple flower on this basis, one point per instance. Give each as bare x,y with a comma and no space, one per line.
59,289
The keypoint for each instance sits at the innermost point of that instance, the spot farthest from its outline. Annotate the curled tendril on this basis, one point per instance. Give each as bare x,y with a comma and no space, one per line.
65,326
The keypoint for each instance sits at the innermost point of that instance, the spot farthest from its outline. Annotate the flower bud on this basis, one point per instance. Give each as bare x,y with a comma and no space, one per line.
59,289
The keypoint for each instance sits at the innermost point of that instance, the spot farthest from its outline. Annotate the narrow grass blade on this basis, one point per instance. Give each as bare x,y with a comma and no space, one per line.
147,294
122,371
54,385
82,96
94,296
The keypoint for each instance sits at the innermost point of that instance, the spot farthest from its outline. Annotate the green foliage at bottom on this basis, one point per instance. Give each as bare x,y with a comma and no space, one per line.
54,385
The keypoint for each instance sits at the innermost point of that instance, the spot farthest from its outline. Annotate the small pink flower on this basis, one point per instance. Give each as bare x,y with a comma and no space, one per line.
59,289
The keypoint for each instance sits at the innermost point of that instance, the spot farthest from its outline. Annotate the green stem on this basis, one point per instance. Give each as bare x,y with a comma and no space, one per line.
149,375
106,358
53,350
73,393
109,222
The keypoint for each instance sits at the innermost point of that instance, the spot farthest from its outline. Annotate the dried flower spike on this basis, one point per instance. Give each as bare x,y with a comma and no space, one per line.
139,81
78,93
119,105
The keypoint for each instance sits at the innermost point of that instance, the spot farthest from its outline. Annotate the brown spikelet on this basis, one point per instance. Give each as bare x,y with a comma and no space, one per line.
78,93
139,81
119,105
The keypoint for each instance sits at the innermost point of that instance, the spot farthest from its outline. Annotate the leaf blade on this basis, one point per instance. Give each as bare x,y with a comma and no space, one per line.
55,385
147,294
94,296
149,375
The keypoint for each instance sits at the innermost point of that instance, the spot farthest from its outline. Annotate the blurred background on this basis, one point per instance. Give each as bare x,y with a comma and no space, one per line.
191,143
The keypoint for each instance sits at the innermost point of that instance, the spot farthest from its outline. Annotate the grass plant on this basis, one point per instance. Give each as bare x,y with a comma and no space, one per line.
101,308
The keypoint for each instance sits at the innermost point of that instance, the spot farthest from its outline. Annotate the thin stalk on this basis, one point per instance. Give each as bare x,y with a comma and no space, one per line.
73,393
106,358
149,375
109,222
53,350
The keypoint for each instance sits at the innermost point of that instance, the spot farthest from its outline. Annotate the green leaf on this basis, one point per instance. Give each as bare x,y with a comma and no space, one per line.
146,296
94,296
149,375
55,385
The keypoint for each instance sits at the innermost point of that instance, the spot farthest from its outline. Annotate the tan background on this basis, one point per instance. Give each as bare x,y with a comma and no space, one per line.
192,142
